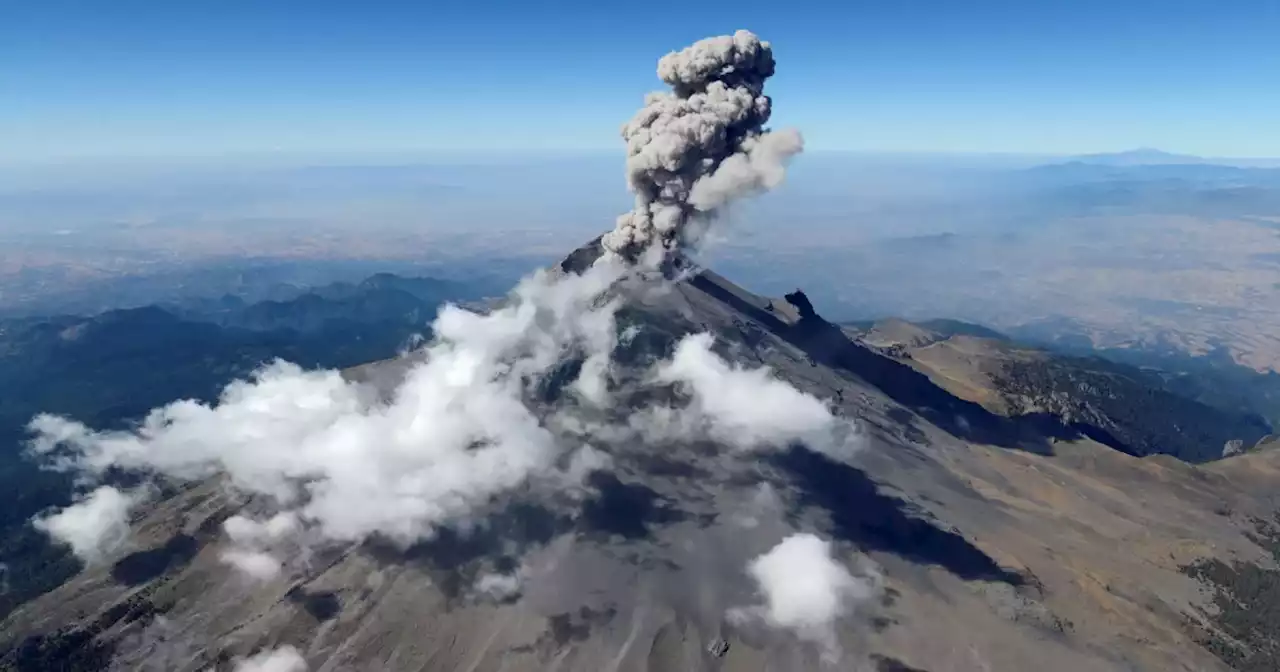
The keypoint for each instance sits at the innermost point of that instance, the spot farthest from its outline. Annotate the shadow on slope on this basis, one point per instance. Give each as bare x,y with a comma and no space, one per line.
456,557
628,510
143,566
860,514
65,651
321,605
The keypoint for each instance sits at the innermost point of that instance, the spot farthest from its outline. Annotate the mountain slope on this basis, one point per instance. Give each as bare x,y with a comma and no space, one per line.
1132,410
1005,543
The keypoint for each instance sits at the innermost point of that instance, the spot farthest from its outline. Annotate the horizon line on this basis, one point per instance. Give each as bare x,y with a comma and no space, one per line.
494,156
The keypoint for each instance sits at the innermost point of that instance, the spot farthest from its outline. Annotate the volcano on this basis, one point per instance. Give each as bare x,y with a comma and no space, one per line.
978,539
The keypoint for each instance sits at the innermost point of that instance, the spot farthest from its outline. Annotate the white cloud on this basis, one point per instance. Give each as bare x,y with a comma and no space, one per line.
254,564
806,590
343,462
283,659
502,585
94,526
592,383
585,461
248,531
258,546
456,433
745,408
498,586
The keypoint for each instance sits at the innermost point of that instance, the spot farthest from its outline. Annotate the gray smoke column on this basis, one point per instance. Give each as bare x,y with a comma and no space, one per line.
695,148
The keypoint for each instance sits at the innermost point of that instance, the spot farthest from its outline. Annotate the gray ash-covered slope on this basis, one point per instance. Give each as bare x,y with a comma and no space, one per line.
1004,543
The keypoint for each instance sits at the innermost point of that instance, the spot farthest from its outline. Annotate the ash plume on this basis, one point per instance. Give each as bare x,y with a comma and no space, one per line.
704,143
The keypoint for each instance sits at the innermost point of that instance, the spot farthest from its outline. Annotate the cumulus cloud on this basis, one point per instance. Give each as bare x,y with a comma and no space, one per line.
258,565
462,429
741,407
256,547
457,432
283,659
94,526
248,531
806,590
592,383
499,586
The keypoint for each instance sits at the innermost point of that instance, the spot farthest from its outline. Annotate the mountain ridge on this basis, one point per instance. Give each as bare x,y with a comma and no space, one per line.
1141,156
1122,406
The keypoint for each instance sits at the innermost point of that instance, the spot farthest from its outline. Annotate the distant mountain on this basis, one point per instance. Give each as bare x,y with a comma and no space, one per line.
1143,156
1141,186
1152,164
958,328
1147,156
202,287
111,368
380,298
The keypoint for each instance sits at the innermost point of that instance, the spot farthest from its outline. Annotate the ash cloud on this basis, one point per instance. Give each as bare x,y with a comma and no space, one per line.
693,149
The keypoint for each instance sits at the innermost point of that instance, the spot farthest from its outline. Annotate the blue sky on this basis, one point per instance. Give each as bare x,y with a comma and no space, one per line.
177,78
